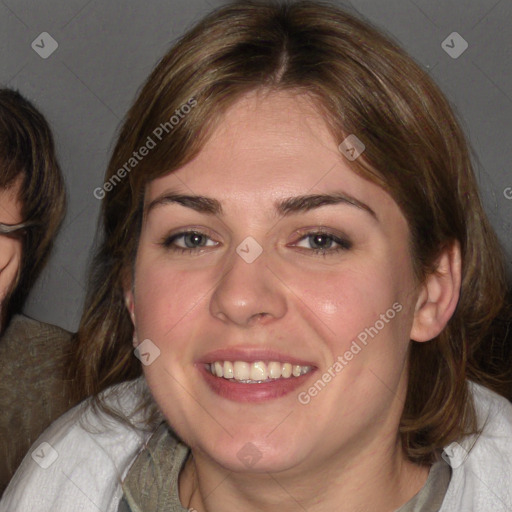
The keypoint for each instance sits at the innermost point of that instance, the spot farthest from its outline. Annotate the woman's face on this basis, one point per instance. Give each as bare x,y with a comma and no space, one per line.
295,264
10,247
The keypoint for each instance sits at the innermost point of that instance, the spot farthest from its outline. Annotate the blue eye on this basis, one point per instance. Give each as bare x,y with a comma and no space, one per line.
324,243
317,242
187,241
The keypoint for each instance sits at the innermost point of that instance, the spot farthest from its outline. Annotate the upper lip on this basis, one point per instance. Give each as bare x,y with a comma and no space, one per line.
250,355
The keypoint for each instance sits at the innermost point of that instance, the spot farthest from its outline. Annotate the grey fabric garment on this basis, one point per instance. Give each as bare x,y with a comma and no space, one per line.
152,481
33,392
123,506
431,495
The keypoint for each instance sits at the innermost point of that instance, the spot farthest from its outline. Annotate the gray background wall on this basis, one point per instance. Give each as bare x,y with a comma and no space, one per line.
107,48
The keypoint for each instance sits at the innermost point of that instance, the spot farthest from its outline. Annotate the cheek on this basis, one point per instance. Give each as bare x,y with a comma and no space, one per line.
347,301
10,252
360,316
10,263
166,300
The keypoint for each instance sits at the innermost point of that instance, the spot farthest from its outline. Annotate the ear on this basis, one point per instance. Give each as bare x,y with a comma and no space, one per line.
130,304
129,295
438,296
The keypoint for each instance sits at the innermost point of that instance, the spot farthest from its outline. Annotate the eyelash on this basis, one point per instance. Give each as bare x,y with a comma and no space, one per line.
343,243
169,241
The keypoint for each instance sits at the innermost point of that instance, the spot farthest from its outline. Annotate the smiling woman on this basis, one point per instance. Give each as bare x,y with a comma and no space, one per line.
312,224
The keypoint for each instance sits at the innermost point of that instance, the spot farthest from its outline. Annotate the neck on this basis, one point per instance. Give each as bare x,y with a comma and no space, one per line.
366,479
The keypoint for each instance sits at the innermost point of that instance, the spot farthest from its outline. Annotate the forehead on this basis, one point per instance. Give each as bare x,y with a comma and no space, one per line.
266,147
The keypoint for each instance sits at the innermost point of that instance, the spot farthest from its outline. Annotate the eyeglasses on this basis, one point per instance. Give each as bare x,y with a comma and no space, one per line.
14,229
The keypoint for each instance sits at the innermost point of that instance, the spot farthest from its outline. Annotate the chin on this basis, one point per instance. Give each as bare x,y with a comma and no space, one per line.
243,455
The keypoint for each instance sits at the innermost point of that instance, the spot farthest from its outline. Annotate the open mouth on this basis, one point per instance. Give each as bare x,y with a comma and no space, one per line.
257,372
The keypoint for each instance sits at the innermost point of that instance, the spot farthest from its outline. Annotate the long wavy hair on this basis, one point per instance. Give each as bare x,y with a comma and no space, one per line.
362,83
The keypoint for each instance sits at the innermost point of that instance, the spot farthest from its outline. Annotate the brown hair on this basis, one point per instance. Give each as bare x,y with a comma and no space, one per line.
27,153
363,84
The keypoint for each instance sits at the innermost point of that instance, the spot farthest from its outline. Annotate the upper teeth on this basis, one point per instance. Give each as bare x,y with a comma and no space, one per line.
258,371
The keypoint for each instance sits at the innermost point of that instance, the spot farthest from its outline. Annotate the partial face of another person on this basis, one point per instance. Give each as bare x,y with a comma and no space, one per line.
254,279
10,246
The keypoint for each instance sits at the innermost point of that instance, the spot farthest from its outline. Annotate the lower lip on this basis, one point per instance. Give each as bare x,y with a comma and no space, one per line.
242,392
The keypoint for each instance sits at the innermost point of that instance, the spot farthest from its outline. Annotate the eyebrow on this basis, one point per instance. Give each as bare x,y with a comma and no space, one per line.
284,207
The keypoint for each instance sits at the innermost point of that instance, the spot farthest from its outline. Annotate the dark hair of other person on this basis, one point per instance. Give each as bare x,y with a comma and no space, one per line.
27,152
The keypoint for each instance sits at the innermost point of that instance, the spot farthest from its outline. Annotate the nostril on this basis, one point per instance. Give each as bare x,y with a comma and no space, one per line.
258,318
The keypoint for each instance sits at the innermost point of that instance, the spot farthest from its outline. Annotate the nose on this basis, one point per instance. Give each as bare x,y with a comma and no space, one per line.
248,294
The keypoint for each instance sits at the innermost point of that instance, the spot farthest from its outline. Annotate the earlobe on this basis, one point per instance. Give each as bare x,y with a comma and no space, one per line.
438,296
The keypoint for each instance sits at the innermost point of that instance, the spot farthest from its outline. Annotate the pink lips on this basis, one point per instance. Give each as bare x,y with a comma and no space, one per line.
243,392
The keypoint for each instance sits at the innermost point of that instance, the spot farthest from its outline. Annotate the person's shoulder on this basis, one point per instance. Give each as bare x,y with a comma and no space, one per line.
79,462
482,464
31,326
38,352
491,407
33,386
35,336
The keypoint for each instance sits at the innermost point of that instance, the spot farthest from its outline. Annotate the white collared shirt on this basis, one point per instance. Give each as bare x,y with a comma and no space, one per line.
72,469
